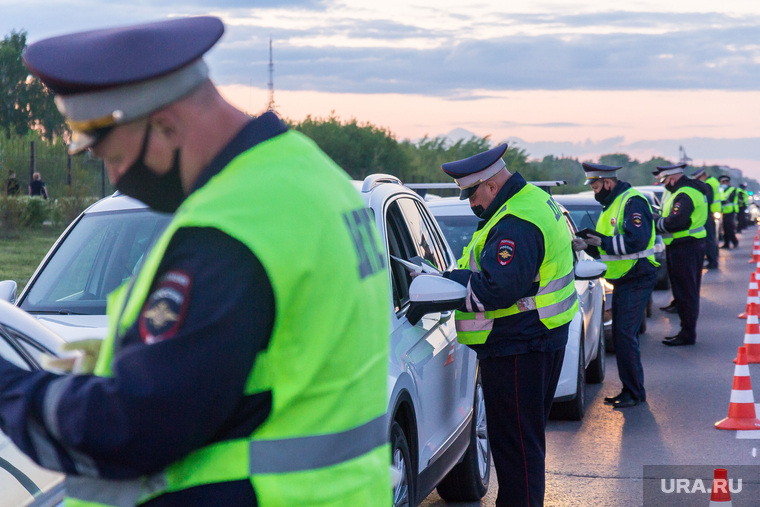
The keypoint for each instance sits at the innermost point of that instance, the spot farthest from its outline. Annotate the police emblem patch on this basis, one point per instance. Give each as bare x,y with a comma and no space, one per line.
166,307
676,207
506,251
613,221
636,219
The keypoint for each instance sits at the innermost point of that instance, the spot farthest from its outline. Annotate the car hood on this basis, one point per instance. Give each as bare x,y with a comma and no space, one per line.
76,327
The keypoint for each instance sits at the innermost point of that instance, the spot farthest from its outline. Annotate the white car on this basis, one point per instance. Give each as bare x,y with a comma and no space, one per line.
437,423
585,351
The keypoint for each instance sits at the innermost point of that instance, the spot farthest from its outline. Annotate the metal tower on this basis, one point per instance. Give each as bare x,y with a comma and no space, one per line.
683,157
270,104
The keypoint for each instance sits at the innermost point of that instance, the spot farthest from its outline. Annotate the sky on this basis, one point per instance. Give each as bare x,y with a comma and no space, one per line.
576,78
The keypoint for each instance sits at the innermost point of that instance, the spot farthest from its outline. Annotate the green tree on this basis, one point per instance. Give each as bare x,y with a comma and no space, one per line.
27,104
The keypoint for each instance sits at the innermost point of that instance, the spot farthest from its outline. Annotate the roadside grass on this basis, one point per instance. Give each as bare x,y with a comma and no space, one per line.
21,253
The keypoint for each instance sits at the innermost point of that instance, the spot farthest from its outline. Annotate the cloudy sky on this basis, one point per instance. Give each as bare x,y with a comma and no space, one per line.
564,77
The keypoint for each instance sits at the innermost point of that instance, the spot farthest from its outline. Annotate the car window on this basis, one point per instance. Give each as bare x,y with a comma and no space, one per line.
422,235
399,245
438,241
7,351
585,218
458,230
98,254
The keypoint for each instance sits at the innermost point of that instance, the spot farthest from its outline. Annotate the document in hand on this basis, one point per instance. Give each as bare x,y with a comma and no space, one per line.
418,265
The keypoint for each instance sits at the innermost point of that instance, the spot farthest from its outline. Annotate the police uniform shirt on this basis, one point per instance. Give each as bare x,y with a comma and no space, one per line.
637,230
679,218
188,356
499,285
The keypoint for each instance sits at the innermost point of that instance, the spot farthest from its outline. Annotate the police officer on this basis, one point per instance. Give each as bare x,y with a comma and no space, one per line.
626,245
714,206
682,226
246,362
743,202
730,209
518,270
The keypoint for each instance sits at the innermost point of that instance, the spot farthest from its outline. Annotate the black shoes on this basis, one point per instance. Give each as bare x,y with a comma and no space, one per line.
712,266
671,308
626,400
676,341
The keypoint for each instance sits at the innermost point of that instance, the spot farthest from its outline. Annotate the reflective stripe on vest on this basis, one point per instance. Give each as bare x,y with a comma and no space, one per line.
698,215
297,455
264,457
556,300
610,223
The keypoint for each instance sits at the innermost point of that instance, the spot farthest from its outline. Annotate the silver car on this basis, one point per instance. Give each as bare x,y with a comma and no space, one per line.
437,423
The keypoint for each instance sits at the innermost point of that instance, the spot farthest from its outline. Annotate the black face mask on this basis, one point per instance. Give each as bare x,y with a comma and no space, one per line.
162,193
478,210
670,187
602,195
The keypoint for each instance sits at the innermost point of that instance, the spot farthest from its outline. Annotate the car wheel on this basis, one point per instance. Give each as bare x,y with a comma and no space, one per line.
573,410
598,366
401,462
468,481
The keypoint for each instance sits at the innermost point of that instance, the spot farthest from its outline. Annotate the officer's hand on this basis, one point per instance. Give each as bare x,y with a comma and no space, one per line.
82,361
579,244
594,241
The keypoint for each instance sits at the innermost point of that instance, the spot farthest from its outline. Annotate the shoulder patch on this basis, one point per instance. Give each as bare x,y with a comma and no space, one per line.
166,307
506,251
676,207
636,219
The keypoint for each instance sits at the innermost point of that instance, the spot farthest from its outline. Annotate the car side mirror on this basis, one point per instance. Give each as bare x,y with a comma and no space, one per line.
8,290
430,294
589,270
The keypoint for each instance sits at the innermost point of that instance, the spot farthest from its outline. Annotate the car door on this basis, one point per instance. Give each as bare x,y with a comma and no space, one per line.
21,480
428,350
590,301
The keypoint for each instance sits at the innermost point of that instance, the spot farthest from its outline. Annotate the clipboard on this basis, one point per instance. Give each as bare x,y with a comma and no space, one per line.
585,233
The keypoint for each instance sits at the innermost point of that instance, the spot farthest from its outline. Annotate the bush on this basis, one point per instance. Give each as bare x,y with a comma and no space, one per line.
64,210
35,211
11,213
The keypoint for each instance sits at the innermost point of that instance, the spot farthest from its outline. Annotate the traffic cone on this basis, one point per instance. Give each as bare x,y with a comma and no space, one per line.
741,408
755,250
752,336
752,297
720,496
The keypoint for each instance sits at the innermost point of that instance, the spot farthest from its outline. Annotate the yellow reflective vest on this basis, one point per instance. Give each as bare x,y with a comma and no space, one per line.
325,441
698,216
556,300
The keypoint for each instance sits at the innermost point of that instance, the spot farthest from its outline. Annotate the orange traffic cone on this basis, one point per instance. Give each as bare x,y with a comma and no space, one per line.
752,296
741,408
752,336
755,251
720,496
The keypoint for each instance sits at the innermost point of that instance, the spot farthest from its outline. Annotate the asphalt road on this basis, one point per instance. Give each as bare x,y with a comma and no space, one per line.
600,461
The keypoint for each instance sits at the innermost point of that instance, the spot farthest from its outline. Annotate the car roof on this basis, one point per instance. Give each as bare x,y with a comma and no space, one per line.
116,202
584,199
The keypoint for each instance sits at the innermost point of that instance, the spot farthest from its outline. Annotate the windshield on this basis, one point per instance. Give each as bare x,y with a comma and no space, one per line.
458,230
99,254
585,218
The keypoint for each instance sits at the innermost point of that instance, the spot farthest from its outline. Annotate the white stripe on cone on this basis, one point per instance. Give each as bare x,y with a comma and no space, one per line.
742,397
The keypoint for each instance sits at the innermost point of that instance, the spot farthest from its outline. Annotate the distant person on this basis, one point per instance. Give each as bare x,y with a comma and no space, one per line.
12,187
626,244
682,226
714,202
743,202
730,207
37,186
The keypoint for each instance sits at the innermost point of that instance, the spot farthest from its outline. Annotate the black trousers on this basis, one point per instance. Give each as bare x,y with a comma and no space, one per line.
729,229
711,245
518,392
742,219
685,272
629,303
